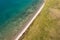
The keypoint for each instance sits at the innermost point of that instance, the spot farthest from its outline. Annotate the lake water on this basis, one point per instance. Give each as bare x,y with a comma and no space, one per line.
13,14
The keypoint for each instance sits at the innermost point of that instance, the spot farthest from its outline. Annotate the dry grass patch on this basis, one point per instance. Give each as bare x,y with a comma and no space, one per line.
54,13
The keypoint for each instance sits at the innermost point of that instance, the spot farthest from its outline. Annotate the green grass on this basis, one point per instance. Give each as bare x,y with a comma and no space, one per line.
45,27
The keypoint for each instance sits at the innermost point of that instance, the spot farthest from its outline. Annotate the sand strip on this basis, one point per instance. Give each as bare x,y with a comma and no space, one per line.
33,18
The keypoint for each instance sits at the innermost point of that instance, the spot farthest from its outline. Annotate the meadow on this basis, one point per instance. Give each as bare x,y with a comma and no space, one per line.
47,24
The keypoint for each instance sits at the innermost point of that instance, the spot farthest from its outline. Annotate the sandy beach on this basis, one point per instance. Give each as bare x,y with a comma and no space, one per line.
26,26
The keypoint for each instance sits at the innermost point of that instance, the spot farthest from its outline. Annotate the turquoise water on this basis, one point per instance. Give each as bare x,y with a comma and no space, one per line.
13,13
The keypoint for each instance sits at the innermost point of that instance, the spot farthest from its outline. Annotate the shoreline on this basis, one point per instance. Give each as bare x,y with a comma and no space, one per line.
29,23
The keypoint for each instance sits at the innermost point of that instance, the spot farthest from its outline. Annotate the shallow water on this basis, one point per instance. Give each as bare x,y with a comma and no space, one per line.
13,13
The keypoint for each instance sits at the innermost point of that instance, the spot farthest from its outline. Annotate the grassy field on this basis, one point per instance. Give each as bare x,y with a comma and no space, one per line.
47,24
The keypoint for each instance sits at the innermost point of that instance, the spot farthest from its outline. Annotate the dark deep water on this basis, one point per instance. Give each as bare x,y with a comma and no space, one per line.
12,12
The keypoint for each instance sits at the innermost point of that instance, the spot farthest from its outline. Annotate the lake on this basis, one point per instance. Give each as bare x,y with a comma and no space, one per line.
13,14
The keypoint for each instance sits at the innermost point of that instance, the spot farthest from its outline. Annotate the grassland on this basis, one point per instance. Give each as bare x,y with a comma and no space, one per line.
47,24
